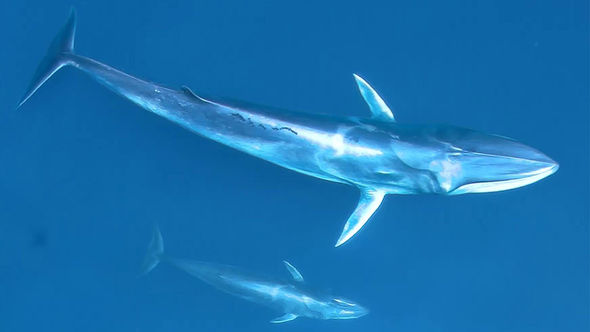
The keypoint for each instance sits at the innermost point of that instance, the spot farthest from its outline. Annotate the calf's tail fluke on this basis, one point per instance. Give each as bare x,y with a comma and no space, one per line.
57,56
155,252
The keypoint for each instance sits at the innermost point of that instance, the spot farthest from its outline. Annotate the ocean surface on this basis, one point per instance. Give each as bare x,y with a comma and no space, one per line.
85,174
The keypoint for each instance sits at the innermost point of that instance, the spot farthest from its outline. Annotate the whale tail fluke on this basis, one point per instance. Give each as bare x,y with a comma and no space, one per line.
58,55
155,252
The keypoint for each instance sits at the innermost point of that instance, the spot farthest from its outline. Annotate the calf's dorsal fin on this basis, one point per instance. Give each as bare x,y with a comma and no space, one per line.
294,273
284,318
376,104
368,204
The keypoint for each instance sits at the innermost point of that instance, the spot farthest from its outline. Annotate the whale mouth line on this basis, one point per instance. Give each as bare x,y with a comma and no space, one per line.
501,185
345,314
504,156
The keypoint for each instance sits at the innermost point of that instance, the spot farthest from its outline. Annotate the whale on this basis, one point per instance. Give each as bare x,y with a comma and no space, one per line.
292,298
376,154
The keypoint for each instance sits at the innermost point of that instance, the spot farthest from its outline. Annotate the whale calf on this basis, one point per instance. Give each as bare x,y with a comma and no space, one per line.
376,154
291,298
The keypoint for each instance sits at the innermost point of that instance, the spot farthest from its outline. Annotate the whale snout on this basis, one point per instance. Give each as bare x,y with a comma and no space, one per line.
357,312
494,163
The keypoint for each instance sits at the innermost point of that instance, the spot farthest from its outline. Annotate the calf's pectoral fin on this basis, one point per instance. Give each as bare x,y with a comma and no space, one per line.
284,318
368,204
293,271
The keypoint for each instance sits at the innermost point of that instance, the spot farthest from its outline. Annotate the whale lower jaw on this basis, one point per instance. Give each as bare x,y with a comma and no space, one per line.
492,186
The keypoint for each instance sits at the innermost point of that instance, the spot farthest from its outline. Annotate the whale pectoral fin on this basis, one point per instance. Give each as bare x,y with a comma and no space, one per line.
378,107
294,273
368,204
284,318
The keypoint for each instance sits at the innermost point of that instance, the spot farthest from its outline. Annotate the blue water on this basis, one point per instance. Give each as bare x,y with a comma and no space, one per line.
85,174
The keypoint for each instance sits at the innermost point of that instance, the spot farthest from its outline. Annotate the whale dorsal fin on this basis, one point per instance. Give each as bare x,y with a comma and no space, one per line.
294,273
368,204
187,91
284,318
378,107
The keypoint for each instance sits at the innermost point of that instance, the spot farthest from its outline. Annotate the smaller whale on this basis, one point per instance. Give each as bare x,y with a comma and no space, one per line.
292,298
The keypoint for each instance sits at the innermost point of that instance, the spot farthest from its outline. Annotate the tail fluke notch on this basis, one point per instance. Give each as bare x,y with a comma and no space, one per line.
55,58
154,252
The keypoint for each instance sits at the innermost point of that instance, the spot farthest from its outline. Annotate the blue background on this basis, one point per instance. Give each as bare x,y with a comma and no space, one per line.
84,174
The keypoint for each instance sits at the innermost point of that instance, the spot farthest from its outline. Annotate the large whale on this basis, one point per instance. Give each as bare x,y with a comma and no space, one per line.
376,154
291,298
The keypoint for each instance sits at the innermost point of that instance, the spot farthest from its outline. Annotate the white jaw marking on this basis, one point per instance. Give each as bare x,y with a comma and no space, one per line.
485,187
